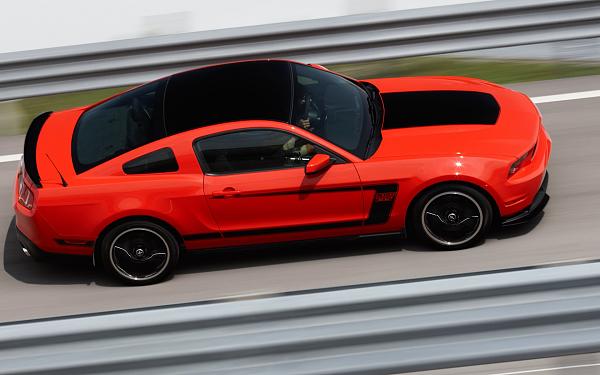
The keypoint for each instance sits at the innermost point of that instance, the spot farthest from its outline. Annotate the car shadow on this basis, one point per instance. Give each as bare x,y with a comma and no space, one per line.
55,270
65,270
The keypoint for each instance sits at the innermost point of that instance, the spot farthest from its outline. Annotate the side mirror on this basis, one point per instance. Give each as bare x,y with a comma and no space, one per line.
318,163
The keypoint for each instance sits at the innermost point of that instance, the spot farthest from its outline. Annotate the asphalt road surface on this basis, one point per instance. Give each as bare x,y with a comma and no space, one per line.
568,231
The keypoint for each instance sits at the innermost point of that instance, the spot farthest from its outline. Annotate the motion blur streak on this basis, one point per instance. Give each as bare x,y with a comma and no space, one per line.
549,369
565,97
581,364
13,157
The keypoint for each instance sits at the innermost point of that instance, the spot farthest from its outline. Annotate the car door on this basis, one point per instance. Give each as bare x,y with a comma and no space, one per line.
255,183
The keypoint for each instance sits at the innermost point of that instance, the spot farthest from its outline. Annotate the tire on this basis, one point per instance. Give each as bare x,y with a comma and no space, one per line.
139,252
451,217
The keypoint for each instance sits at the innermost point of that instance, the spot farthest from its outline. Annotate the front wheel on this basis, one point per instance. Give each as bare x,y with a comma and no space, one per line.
139,252
452,216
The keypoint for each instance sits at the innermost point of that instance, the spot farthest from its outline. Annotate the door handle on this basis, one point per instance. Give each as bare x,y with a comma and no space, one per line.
226,193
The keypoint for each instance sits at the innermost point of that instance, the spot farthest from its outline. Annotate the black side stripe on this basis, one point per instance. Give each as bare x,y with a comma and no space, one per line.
277,230
296,228
379,214
300,191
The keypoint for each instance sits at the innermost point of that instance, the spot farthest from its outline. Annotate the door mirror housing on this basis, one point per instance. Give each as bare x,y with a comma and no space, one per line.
318,163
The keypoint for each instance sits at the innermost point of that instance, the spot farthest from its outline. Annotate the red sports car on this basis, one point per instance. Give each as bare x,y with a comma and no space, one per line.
269,151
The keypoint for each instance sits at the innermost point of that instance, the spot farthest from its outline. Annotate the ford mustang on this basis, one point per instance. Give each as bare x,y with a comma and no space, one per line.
266,151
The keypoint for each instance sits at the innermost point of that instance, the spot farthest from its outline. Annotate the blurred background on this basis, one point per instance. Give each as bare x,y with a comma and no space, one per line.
65,46
42,24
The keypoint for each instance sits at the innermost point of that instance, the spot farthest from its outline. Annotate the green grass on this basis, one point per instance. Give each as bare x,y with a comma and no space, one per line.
26,109
505,71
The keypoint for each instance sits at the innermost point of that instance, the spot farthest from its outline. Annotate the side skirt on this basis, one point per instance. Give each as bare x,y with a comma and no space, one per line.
400,234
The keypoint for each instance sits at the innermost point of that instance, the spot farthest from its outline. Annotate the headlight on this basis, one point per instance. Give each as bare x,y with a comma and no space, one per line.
522,161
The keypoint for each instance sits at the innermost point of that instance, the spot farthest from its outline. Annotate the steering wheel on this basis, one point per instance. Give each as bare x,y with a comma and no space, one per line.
312,111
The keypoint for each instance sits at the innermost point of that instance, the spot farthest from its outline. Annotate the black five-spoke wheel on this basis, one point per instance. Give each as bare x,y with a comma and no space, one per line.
452,216
139,252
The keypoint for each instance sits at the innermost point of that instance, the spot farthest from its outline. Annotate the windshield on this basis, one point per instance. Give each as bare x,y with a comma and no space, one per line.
334,108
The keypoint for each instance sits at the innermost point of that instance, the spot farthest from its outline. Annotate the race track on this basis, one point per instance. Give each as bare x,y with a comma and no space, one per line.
568,231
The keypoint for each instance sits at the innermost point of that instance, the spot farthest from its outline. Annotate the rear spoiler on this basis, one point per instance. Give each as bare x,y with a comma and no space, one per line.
29,152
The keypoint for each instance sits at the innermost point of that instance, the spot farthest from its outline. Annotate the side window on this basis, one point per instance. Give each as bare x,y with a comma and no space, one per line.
118,125
254,150
158,161
254,90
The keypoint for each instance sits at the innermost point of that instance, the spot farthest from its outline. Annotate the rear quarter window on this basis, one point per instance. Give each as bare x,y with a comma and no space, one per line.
159,161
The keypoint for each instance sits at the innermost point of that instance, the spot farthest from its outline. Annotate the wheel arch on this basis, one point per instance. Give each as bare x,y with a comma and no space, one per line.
477,186
126,219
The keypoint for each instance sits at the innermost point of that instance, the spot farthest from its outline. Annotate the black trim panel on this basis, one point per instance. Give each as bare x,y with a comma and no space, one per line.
79,243
30,148
539,202
381,210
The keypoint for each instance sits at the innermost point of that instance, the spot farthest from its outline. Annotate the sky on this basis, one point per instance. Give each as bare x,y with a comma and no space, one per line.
34,24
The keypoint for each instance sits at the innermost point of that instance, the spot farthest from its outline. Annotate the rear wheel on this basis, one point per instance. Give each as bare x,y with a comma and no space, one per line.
139,252
452,216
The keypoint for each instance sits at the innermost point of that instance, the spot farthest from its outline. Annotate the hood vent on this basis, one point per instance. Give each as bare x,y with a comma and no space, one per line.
430,108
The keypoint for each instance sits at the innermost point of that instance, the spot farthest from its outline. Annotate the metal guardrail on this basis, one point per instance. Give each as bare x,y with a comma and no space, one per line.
375,36
378,329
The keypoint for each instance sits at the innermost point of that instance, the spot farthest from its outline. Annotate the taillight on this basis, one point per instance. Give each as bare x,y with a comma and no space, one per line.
25,194
522,161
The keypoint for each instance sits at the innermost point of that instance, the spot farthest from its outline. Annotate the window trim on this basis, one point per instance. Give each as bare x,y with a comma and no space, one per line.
172,158
339,159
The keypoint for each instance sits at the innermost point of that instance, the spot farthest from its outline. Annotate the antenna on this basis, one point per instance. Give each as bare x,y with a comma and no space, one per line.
62,179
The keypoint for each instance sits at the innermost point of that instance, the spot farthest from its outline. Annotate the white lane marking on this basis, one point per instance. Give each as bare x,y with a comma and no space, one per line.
7,158
548,369
565,97
536,100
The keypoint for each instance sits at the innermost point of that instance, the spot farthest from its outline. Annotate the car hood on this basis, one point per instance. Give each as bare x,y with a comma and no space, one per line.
511,132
